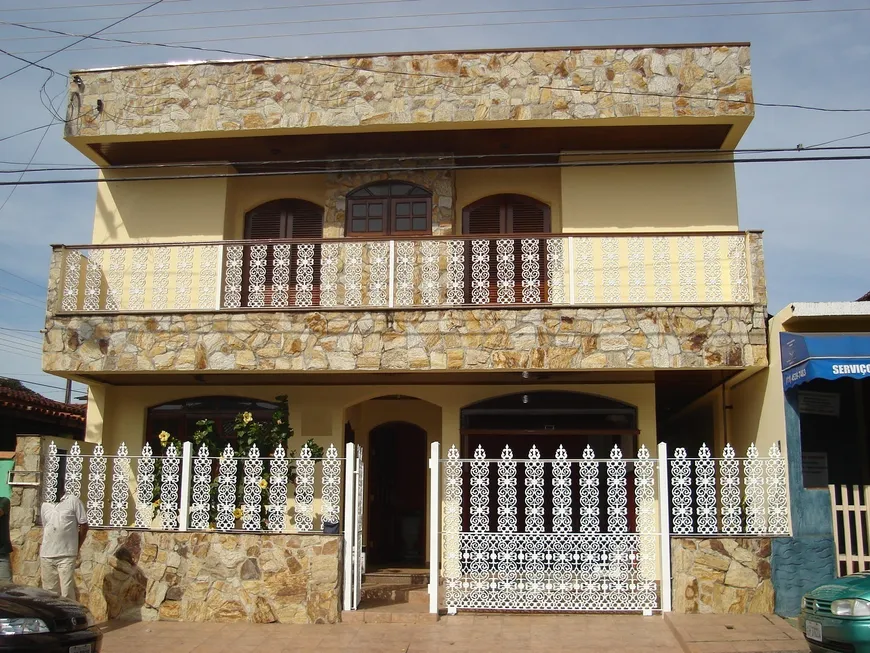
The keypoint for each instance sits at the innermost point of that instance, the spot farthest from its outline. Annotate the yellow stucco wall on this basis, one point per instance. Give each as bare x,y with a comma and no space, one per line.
649,198
544,184
171,210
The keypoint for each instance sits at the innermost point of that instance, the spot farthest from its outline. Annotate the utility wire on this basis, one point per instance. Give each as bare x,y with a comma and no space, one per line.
32,283
188,44
20,301
23,172
84,38
20,345
109,4
278,7
443,14
427,157
22,341
20,330
818,146
493,166
41,385
20,294
18,352
28,62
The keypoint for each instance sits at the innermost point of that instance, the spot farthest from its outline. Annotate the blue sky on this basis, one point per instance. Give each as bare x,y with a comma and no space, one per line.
814,214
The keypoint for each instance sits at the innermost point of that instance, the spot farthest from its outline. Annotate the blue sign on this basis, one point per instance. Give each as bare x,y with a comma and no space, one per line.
824,356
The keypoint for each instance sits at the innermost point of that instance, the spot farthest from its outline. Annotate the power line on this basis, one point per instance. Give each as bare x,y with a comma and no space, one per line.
24,339
20,345
818,146
32,283
188,44
41,385
20,294
427,157
23,172
20,330
18,352
109,4
27,131
84,38
272,8
492,166
28,62
443,14
20,301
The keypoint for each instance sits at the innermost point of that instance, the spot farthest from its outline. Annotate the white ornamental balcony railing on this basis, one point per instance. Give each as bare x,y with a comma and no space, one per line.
528,270
200,490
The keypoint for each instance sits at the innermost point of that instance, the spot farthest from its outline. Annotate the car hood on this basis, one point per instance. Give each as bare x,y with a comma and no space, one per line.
23,601
856,586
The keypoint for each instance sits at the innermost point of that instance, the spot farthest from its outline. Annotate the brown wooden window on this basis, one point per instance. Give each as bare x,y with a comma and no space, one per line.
389,207
284,219
506,214
500,215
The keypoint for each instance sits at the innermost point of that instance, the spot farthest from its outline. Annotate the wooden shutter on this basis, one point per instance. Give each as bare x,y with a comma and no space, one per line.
305,222
279,220
507,214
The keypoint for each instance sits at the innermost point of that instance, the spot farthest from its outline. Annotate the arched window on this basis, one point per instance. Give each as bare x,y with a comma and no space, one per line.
389,207
506,214
179,418
279,220
285,218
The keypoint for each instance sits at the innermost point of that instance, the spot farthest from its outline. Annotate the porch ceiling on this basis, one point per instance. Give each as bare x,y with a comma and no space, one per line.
674,388
461,142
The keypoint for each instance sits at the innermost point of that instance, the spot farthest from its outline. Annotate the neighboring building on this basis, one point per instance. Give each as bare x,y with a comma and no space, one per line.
815,397
27,412
475,248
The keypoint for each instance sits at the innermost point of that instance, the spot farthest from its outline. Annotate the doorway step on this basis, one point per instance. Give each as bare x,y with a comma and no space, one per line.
393,596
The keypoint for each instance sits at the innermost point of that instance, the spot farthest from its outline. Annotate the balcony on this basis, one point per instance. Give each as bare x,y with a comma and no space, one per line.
549,270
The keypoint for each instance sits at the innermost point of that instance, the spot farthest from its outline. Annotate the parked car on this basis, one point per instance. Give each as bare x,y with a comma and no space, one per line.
32,619
836,616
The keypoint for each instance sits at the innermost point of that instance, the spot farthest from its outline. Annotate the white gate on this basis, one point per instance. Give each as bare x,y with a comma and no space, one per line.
354,502
599,553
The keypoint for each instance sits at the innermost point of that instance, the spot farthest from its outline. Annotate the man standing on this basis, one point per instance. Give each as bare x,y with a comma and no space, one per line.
5,542
64,527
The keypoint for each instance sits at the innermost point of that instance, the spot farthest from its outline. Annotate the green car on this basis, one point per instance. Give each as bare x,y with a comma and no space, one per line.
836,616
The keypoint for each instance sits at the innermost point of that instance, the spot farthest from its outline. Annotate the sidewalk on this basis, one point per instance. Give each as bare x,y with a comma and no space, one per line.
469,633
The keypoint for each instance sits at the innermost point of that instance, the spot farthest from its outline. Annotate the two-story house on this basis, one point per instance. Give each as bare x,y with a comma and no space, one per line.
481,249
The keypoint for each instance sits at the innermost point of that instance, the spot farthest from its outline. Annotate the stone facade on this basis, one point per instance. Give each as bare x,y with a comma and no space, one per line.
414,89
722,575
144,575
170,576
485,339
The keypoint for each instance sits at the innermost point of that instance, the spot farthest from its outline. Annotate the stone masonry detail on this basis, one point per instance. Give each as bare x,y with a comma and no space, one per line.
485,339
722,575
414,89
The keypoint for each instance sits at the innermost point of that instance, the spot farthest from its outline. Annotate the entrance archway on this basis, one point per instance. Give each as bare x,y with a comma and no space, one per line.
397,493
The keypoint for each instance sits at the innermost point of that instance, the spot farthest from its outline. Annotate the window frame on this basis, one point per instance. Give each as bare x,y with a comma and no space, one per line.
506,204
389,202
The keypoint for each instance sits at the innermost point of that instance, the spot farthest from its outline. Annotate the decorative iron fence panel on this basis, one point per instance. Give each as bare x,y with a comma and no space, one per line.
254,493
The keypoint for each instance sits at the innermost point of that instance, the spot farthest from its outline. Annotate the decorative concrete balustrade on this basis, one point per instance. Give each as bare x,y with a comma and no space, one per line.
440,272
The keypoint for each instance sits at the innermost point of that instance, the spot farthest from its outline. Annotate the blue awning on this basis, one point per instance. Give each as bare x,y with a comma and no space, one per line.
823,356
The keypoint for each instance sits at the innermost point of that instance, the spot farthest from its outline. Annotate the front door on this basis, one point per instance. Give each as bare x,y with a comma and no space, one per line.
397,492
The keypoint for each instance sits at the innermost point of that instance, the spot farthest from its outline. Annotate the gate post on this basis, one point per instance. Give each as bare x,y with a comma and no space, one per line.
184,504
664,523
349,514
434,524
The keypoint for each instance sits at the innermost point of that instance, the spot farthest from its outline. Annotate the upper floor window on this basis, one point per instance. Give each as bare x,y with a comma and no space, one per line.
285,218
389,207
506,214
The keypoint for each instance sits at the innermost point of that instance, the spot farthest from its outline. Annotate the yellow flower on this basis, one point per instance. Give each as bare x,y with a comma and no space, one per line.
237,513
247,418
164,437
279,422
156,502
263,484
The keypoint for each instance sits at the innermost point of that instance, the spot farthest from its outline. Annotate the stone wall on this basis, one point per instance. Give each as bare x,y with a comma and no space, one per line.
414,89
485,339
151,576
286,578
722,575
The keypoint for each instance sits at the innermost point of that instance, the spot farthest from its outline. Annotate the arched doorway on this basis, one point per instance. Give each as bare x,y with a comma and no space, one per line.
397,495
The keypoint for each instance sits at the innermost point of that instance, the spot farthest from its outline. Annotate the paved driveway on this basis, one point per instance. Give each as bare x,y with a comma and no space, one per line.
467,634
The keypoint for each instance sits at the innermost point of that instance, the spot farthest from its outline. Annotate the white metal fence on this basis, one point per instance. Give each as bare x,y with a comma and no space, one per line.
850,508
588,534
183,490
